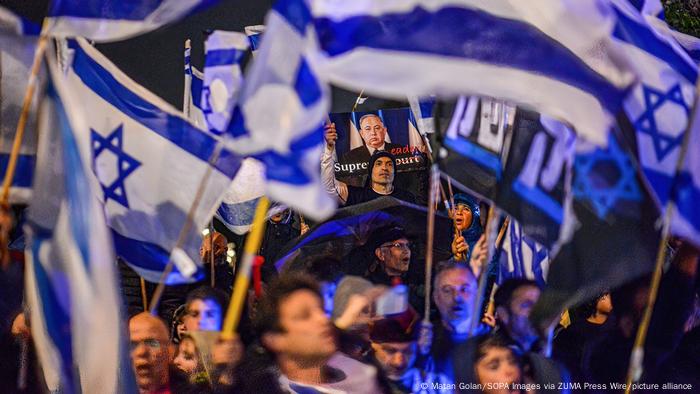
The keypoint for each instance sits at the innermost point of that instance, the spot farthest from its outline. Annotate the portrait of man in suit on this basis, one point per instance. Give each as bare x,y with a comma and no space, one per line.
373,134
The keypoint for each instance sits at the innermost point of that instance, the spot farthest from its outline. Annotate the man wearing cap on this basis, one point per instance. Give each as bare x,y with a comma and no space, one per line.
394,349
380,178
391,251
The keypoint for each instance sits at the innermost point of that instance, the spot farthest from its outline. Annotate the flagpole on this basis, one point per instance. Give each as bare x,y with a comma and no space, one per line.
432,198
635,369
187,226
6,221
357,101
144,297
240,286
491,224
212,272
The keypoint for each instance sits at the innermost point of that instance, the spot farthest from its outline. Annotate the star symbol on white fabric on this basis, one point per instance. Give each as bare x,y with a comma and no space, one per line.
125,164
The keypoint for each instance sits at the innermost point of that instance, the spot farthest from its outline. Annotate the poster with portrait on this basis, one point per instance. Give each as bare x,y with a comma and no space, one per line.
392,130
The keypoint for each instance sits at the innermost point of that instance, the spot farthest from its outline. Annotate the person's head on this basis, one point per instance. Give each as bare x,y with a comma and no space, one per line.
372,130
600,305
514,300
495,365
393,341
187,357
291,321
466,214
382,169
392,250
204,309
177,327
454,287
219,243
283,216
150,353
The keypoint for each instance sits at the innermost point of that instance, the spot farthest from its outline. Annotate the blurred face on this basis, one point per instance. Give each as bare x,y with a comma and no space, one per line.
149,352
328,291
463,217
517,320
307,333
219,244
395,358
202,315
395,256
373,131
383,171
604,305
187,359
496,368
455,289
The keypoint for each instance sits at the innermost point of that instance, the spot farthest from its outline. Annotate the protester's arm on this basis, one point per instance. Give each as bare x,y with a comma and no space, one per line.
328,161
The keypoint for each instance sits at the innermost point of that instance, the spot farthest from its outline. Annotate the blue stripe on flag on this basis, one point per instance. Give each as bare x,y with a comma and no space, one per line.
24,173
222,57
306,85
486,38
478,154
240,214
175,129
255,41
631,31
295,12
104,9
541,200
196,86
687,197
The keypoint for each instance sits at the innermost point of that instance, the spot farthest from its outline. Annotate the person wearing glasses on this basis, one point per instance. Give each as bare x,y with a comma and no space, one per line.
391,256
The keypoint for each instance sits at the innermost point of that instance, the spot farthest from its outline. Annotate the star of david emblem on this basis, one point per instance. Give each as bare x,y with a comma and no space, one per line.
102,148
603,189
647,122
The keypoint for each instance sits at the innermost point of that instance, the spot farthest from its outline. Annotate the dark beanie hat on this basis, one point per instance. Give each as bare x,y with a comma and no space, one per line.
398,328
376,155
383,235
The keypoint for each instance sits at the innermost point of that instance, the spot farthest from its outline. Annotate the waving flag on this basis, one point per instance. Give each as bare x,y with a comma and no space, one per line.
192,100
238,206
114,20
148,161
658,108
278,119
505,48
255,34
224,51
70,273
17,25
522,257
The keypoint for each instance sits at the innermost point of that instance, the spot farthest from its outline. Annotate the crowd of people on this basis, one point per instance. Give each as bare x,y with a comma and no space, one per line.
326,329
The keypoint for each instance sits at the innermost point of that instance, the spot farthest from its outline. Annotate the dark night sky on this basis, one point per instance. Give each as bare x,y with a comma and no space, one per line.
155,60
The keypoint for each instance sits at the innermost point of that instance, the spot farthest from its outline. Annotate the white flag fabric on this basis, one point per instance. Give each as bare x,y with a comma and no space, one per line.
114,20
149,161
192,99
522,257
238,206
71,282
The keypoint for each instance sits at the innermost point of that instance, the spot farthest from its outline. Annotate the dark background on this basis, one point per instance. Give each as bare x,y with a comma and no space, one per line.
155,60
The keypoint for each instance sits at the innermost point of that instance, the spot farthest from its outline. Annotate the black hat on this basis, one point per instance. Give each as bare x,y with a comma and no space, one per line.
383,235
376,155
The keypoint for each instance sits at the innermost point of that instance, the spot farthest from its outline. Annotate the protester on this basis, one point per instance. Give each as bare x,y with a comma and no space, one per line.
395,350
352,313
467,218
392,255
204,309
299,350
281,228
223,274
380,178
150,353
177,325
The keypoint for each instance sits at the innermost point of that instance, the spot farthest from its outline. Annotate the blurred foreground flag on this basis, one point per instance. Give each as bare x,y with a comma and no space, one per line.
148,161
238,206
255,34
522,257
114,20
281,110
223,53
71,282
419,47
192,99
16,55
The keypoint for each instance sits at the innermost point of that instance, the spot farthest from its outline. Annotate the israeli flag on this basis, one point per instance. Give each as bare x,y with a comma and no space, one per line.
71,283
224,51
148,161
653,12
238,206
279,117
504,47
659,108
522,257
16,55
192,100
114,20
254,34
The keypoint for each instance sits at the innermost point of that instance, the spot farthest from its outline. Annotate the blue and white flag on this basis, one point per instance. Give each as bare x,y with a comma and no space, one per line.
238,206
192,99
224,51
282,107
522,257
148,161
71,282
17,25
114,20
254,34
16,55
659,108
504,47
